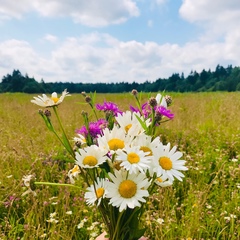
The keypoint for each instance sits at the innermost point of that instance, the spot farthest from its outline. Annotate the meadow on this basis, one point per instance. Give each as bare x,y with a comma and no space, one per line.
205,205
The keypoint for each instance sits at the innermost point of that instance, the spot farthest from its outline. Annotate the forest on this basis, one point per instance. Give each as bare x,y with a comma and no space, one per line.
221,79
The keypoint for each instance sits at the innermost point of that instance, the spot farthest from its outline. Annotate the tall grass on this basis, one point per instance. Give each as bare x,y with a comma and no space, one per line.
206,128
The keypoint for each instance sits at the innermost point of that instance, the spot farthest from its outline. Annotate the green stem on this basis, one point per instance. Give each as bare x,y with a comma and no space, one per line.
68,147
116,232
56,184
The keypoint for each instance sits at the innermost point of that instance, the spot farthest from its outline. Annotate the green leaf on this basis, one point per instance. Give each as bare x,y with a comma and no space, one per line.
143,124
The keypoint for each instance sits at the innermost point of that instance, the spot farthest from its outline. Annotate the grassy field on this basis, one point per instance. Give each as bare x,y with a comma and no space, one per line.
206,128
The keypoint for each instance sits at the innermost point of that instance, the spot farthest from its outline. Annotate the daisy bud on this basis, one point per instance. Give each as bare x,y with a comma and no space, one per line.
158,117
40,111
153,102
84,94
134,92
32,184
168,100
47,113
78,144
84,113
88,99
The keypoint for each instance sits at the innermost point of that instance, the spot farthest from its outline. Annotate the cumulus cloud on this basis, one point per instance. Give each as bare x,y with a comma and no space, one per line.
91,13
13,9
100,57
218,18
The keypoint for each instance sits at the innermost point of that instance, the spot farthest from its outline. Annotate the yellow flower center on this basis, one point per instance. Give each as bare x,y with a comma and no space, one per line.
159,179
100,192
55,99
115,144
128,127
75,169
146,149
133,158
90,160
127,188
165,163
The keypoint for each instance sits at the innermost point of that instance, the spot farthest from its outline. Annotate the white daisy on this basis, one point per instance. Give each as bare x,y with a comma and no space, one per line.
96,192
166,162
45,101
129,123
28,181
163,181
80,139
146,143
133,159
90,157
73,174
127,190
161,100
114,139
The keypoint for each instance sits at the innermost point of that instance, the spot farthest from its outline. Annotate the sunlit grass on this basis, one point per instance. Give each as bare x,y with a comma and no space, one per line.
206,128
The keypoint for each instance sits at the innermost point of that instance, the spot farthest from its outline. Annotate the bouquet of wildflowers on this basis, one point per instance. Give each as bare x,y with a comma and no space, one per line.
120,157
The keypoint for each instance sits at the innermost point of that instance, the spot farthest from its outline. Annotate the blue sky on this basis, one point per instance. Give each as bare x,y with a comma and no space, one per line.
117,40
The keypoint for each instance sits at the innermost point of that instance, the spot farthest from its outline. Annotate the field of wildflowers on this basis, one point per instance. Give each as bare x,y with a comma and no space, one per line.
205,205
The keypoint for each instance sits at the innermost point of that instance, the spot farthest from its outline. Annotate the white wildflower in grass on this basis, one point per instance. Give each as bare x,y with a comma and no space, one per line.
52,215
127,190
114,139
160,220
133,159
69,212
43,235
163,181
167,164
73,174
52,220
91,156
81,224
96,192
129,123
54,100
27,183
52,198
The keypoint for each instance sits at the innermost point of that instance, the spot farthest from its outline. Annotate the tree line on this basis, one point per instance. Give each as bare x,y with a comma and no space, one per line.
221,79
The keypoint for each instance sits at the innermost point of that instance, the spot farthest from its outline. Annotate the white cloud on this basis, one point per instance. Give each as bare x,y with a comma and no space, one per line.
90,13
101,58
50,38
14,9
160,2
218,18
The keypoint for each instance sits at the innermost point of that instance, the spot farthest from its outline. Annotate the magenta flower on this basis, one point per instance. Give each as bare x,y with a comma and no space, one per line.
146,109
95,128
165,112
109,106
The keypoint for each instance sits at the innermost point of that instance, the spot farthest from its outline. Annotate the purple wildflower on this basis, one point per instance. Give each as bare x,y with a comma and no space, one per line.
133,109
146,109
95,128
165,112
109,106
